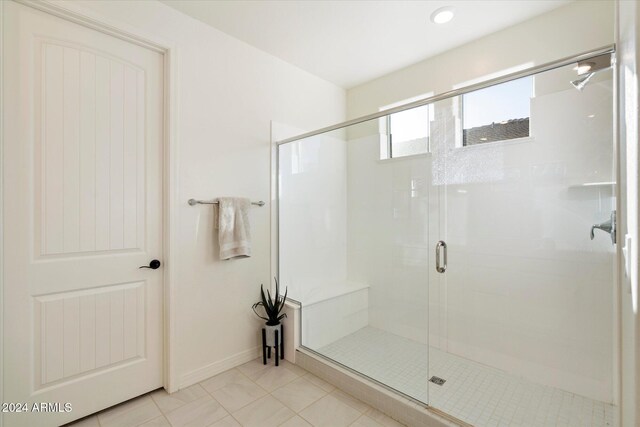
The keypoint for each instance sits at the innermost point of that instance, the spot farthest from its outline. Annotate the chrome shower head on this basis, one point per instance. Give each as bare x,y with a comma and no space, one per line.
582,81
587,68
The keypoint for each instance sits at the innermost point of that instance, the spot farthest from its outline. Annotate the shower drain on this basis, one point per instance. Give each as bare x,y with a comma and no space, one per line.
437,380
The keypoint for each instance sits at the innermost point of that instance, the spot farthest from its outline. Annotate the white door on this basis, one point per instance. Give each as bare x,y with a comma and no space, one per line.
82,183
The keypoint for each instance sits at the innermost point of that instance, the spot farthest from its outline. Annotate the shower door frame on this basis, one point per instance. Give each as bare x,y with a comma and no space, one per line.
609,49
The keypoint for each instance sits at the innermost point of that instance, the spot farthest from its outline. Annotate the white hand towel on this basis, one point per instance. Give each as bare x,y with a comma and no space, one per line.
234,232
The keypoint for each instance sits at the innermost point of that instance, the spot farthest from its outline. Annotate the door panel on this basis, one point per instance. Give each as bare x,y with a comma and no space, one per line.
86,330
90,194
82,211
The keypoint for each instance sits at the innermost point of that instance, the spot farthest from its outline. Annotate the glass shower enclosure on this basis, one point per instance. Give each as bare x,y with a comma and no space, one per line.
461,252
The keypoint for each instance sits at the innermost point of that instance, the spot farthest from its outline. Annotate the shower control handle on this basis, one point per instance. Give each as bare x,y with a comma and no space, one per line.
607,227
441,245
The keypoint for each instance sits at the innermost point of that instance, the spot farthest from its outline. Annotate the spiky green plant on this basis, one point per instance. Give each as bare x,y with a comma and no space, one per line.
272,306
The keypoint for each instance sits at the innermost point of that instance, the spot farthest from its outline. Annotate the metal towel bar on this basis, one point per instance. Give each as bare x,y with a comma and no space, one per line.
193,202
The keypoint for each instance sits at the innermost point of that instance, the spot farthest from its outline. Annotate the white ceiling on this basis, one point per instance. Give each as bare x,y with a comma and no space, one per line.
351,42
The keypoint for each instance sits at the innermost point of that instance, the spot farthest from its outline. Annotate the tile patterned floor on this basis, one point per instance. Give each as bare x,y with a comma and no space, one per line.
250,395
478,394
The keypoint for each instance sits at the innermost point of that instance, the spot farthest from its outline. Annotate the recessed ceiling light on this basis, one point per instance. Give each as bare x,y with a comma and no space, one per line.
442,15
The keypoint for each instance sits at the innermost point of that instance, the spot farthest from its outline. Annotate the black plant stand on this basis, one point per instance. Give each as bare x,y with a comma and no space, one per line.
279,349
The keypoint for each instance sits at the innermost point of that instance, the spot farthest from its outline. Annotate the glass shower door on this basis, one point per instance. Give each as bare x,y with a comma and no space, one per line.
353,249
521,318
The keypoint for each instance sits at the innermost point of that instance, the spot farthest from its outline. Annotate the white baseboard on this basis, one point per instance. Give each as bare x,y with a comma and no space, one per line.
218,367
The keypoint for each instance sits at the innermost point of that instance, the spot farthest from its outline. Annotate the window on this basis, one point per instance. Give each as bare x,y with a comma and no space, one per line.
405,133
497,113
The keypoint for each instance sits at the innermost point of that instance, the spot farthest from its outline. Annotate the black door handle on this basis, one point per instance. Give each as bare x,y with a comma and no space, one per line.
154,264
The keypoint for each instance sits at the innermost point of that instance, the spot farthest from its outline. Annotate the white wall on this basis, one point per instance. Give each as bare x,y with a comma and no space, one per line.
228,94
628,40
568,30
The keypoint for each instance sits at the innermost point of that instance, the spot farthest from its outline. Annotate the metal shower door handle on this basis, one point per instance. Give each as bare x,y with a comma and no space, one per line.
439,245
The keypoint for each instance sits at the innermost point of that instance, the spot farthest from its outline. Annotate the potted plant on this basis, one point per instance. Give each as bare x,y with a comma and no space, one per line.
272,307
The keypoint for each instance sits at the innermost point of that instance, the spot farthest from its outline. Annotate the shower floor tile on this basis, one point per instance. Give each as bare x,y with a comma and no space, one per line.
475,393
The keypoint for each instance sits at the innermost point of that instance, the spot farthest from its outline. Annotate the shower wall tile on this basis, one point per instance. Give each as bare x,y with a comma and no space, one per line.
387,241
312,214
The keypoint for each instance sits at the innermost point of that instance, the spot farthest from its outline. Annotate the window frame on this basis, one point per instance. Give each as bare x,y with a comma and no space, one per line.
386,134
